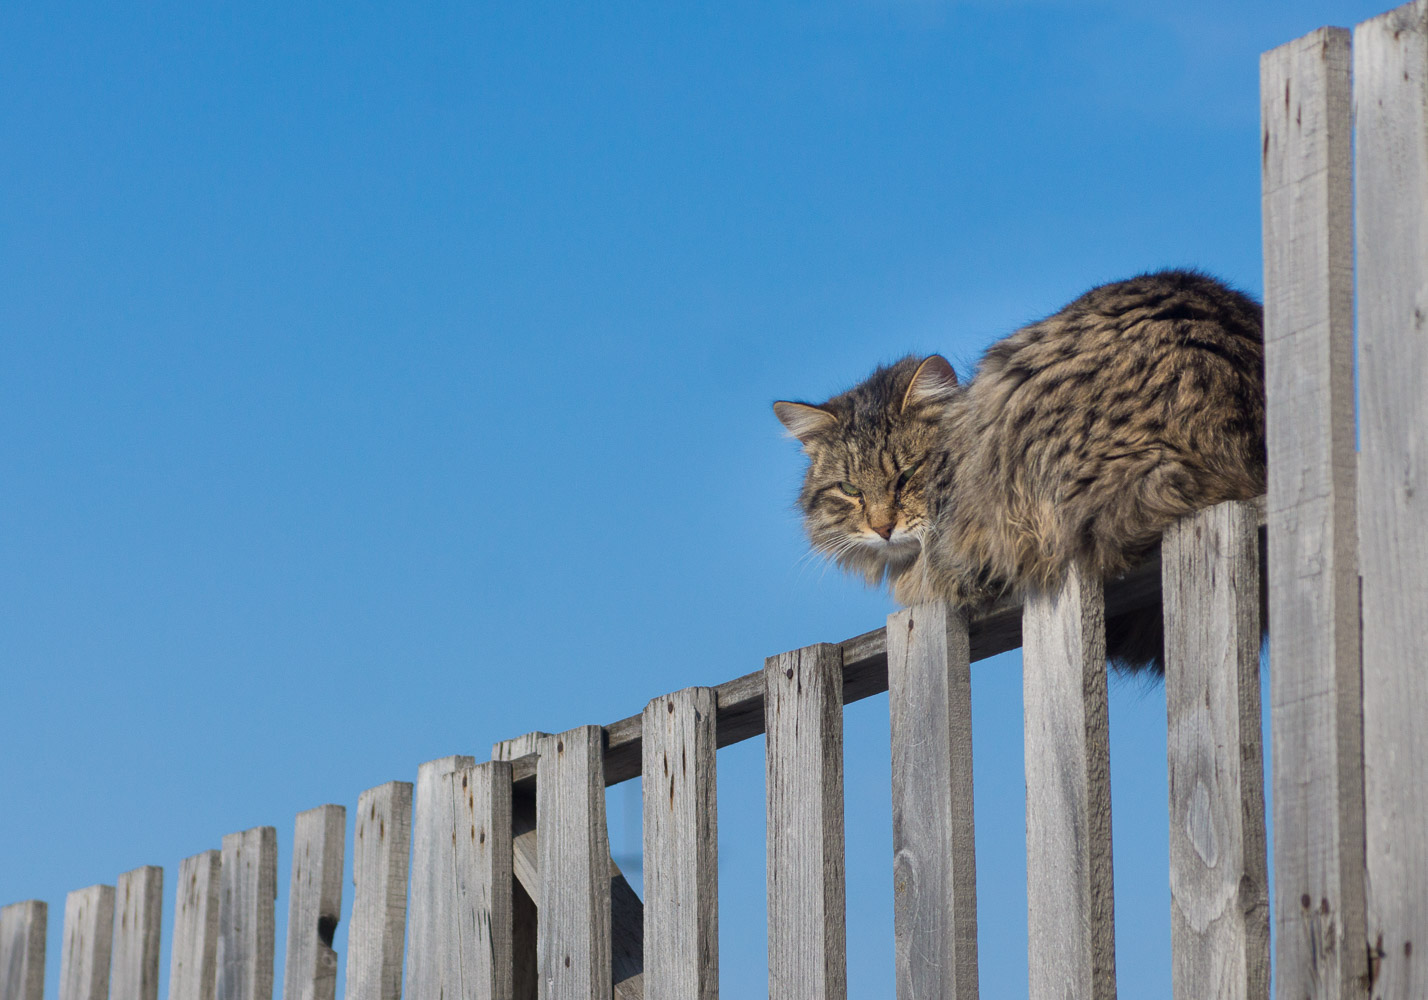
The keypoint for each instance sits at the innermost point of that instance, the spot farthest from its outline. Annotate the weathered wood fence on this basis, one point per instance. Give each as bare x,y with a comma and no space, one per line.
494,879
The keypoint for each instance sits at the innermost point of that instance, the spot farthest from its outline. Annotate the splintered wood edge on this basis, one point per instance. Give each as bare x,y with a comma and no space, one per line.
993,630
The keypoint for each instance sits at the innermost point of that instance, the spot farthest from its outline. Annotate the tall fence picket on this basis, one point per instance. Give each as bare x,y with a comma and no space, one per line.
1070,906
314,903
1314,676
1391,111
88,939
1219,881
22,950
381,853
934,854
433,962
803,718
138,919
193,955
573,949
249,881
681,856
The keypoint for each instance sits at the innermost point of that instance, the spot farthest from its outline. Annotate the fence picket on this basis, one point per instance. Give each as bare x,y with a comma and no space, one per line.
138,919
573,950
249,880
1070,906
381,853
1219,883
934,853
22,950
193,956
88,938
314,903
433,892
481,797
681,847
1391,111
803,717
1314,676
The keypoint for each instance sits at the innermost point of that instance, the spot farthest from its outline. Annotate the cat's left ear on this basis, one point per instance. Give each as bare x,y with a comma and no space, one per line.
934,380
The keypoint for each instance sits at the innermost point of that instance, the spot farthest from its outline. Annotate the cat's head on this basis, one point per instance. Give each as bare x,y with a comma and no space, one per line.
872,452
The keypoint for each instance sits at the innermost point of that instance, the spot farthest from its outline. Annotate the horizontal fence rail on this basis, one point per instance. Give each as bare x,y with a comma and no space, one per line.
493,879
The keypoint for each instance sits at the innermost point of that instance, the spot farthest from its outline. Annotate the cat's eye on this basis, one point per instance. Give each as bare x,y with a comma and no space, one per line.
902,480
850,490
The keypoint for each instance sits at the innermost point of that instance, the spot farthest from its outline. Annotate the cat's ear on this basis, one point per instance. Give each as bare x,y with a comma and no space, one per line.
934,380
803,421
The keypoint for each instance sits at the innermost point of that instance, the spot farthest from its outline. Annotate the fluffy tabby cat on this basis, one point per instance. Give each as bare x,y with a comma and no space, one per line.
1079,439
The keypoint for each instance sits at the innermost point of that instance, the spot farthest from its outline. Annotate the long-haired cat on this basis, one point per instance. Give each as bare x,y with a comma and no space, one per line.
1079,439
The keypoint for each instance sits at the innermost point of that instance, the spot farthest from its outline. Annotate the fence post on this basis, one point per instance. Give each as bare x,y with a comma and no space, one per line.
803,717
381,855
1391,112
134,961
249,880
22,950
934,852
314,903
193,956
88,938
1070,904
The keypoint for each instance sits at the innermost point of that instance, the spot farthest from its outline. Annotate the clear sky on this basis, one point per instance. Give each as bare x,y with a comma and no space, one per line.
380,381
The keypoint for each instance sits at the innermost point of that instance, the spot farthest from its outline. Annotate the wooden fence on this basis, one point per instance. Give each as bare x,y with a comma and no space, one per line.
494,879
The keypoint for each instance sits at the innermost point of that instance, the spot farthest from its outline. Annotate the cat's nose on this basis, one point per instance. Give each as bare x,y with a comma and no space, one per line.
884,530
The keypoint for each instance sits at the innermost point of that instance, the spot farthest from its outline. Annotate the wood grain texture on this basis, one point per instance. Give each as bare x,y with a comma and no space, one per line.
138,919
803,707
434,900
1391,110
740,711
381,853
193,955
482,806
1070,904
934,853
314,903
22,950
681,847
246,921
1219,880
1314,675
88,938
573,950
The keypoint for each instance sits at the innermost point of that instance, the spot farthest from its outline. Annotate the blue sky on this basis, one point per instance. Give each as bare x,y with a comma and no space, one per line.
386,380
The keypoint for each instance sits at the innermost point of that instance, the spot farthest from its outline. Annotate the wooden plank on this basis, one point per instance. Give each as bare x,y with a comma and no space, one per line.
1391,109
803,712
525,745
573,950
1219,880
22,950
1070,906
681,838
249,880
433,900
138,920
193,955
740,713
381,853
1314,672
88,938
934,853
481,800
314,903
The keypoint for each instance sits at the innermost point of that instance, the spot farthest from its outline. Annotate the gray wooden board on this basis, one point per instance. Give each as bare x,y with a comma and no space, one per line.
22,950
381,853
1219,882
433,902
681,847
573,950
1070,905
934,854
1314,675
193,955
806,884
1391,176
246,918
138,919
314,903
740,714
626,912
481,805
88,938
